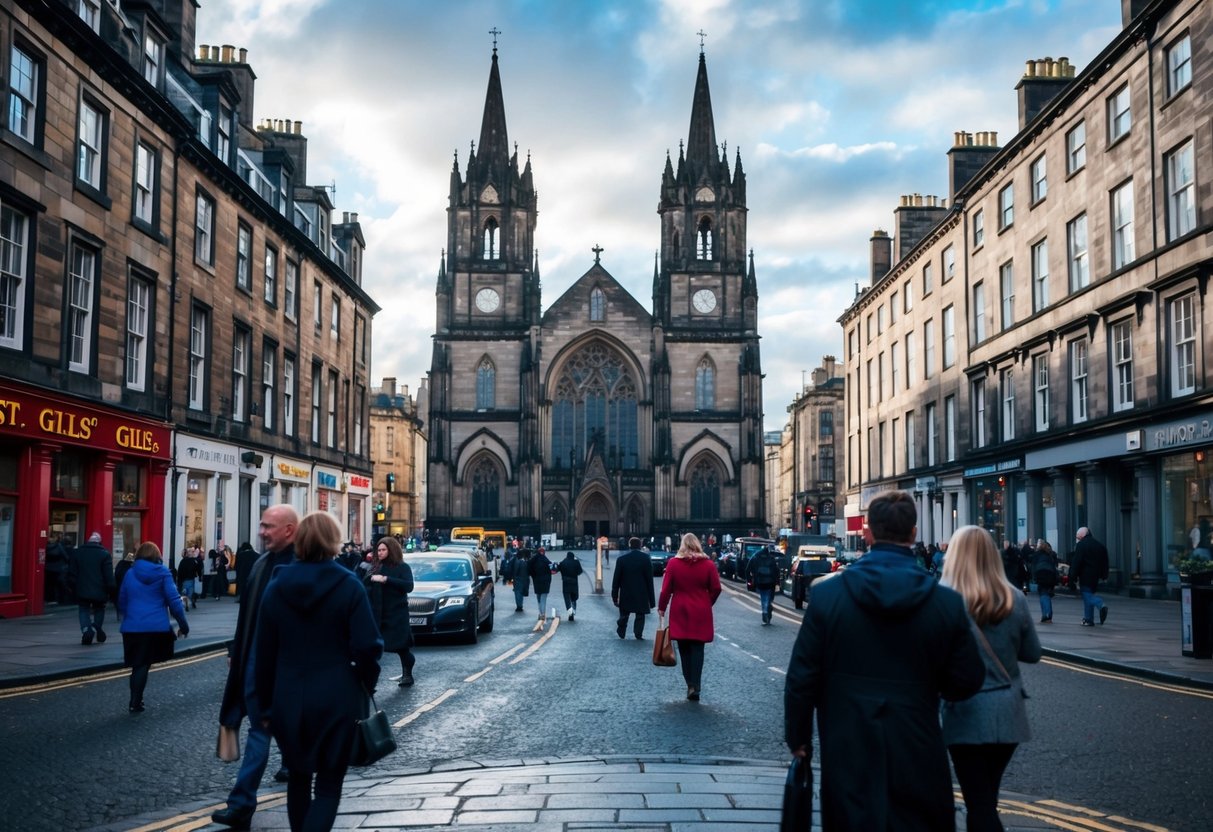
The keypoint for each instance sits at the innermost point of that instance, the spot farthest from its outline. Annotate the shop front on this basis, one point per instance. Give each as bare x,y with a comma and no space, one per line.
290,483
207,495
358,496
1185,481
329,496
997,502
68,469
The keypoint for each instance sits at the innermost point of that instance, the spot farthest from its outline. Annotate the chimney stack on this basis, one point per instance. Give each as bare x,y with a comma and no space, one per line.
1042,80
968,155
389,387
916,215
882,254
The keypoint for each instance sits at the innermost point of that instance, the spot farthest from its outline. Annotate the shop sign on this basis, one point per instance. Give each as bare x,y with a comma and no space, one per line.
994,468
40,417
359,481
926,483
324,479
1179,434
287,469
212,455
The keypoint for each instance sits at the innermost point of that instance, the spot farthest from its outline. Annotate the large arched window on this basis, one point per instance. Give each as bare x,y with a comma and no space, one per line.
597,304
486,385
705,490
492,243
703,240
705,385
595,402
486,488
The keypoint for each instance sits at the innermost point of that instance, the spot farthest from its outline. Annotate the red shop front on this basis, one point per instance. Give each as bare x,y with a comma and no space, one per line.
67,469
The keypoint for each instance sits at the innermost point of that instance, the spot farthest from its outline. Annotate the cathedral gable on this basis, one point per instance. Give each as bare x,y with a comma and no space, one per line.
574,304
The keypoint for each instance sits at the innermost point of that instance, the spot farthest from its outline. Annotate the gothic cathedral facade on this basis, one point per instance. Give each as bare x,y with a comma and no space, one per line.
596,416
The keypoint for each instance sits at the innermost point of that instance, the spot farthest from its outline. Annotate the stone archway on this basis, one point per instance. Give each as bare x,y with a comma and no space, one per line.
596,511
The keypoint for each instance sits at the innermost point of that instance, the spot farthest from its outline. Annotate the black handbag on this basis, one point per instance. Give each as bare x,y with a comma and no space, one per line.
797,815
373,739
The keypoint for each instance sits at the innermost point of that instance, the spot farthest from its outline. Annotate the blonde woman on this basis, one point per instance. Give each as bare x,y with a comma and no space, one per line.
983,731
689,589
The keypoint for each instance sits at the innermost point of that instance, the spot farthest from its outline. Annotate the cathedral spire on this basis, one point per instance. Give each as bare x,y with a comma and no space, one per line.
701,143
494,143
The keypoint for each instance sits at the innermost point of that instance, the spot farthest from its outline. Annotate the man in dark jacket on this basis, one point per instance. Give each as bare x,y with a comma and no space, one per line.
540,570
763,572
1089,567
880,644
90,576
632,588
56,571
277,531
570,569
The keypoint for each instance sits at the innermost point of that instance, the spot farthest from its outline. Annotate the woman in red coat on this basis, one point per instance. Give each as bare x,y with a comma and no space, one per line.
690,588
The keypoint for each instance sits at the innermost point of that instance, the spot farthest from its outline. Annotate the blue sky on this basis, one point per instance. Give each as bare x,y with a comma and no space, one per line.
838,107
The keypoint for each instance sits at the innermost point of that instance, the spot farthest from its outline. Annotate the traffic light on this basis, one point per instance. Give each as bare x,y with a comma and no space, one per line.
809,516
391,482
379,515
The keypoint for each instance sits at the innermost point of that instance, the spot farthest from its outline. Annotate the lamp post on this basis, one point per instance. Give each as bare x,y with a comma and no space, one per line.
572,485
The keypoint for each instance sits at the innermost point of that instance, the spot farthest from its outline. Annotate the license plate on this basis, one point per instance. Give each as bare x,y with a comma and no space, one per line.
417,622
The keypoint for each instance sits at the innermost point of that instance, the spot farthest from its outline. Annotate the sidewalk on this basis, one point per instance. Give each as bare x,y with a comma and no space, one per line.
671,793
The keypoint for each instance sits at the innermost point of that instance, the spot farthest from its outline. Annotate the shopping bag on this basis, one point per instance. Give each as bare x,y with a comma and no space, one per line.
663,649
227,746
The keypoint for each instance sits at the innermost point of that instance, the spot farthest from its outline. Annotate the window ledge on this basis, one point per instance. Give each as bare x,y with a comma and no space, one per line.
22,146
95,195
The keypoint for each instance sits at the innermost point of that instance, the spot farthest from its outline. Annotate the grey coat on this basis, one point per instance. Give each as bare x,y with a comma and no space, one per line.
997,713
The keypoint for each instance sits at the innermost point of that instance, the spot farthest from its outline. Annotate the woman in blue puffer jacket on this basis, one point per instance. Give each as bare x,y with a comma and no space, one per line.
148,592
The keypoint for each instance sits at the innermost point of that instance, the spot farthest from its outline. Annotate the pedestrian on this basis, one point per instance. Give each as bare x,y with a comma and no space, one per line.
221,560
120,571
388,586
689,589
570,573
277,530
763,574
318,651
246,556
1088,567
188,574
1044,573
507,565
90,577
147,635
982,732
632,588
521,576
55,581
1013,565
540,569
880,644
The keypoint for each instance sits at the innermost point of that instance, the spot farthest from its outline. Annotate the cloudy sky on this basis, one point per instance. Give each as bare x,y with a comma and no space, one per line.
838,107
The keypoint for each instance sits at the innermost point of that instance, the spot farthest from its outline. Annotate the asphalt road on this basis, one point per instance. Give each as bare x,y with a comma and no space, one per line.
75,758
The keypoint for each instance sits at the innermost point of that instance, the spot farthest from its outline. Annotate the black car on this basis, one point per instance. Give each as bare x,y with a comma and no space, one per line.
452,595
659,558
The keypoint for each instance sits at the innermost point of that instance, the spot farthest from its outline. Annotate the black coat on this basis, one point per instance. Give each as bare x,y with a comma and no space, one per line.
632,583
1090,564
570,570
880,644
318,652
540,569
90,573
390,605
188,569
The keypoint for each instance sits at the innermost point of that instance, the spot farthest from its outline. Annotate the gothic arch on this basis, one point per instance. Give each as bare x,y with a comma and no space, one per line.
705,383
596,503
710,443
597,305
485,485
635,518
484,441
486,383
704,484
705,239
490,248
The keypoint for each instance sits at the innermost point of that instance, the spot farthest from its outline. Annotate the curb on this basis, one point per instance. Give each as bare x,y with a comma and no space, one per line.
1127,669
106,667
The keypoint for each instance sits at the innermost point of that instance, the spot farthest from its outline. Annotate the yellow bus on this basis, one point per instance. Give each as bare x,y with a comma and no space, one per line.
475,533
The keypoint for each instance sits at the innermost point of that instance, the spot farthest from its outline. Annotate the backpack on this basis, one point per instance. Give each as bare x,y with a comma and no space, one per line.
765,571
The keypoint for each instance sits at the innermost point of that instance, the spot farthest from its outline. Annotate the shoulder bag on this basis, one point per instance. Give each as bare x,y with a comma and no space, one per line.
373,739
663,648
1004,676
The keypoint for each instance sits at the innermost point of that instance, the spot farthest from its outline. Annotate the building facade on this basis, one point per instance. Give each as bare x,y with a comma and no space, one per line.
172,297
1030,359
812,449
398,448
597,416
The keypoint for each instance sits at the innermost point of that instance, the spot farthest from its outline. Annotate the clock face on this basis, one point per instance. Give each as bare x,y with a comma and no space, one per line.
704,301
487,300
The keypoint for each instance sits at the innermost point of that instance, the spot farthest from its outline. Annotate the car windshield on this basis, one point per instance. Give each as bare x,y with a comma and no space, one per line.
441,569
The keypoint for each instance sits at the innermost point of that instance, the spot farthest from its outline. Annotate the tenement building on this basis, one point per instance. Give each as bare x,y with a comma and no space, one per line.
812,450
184,338
1029,356
596,416
398,443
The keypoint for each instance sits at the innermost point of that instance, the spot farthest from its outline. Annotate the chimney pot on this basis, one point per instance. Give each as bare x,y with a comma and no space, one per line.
243,55
353,216
214,53
993,138
298,128
204,51
1029,69
227,50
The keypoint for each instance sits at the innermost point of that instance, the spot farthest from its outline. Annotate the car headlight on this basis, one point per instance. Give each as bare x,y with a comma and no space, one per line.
451,602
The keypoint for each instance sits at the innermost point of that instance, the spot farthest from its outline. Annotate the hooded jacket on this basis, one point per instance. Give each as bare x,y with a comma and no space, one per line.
146,595
318,649
881,642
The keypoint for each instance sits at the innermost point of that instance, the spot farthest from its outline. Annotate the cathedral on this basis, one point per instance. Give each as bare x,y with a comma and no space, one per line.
596,416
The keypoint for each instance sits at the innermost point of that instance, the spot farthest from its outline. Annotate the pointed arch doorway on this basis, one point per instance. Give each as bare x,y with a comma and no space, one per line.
596,511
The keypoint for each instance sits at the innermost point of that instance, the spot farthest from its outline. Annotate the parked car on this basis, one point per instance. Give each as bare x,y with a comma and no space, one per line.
726,564
806,568
659,558
747,547
452,595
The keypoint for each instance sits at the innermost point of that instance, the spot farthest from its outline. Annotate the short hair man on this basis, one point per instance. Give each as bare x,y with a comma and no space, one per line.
632,588
90,576
1089,567
881,642
277,530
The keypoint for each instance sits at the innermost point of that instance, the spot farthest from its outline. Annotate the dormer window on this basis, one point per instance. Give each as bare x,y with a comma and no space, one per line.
597,305
703,240
90,13
223,146
491,248
153,57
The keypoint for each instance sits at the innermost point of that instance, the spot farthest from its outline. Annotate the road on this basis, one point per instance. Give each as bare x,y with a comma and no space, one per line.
75,757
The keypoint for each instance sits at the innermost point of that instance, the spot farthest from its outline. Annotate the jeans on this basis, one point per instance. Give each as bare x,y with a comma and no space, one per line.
189,588
766,597
1046,601
1090,602
518,595
542,598
256,750
92,615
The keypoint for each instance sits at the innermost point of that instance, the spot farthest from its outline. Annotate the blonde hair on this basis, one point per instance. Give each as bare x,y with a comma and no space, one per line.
317,538
691,547
974,569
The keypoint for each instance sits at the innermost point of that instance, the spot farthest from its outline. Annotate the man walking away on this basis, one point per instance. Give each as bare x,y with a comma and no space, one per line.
1044,573
56,571
763,573
1090,566
90,576
277,531
632,588
880,644
188,575
570,571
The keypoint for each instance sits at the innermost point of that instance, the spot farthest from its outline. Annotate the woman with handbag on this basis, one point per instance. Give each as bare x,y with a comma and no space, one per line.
388,585
318,650
983,731
689,589
148,591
